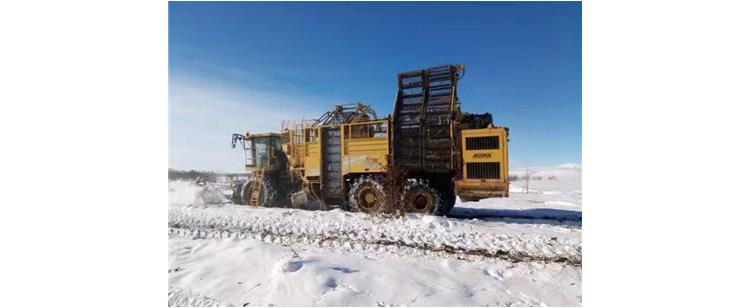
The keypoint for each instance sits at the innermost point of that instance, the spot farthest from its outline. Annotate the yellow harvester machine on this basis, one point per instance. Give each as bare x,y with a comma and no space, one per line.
340,158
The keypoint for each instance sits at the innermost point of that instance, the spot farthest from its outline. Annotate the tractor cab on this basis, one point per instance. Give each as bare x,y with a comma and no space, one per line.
262,151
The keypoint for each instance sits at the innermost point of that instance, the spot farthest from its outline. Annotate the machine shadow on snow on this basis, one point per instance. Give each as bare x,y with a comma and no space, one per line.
553,216
523,216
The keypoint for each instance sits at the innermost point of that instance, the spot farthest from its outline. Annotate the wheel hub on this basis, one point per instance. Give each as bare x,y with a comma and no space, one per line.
368,199
421,201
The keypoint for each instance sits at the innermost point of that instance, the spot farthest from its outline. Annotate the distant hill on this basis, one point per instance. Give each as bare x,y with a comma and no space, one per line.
564,171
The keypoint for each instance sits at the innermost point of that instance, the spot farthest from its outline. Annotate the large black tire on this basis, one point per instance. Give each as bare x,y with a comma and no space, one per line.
245,192
448,201
366,195
237,193
268,192
285,187
421,197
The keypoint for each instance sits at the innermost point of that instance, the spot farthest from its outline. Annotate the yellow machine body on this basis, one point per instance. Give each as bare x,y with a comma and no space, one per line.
484,164
484,156
363,148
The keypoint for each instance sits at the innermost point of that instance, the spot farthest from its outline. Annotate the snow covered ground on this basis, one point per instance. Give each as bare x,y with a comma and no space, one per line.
519,251
557,199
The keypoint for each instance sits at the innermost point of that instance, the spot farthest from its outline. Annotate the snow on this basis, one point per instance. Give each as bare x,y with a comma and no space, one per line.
183,192
555,201
519,251
256,273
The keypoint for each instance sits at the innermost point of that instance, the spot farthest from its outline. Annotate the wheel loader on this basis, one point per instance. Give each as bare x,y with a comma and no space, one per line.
340,158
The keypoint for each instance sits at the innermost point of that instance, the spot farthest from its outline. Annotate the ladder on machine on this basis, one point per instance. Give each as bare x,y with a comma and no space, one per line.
255,185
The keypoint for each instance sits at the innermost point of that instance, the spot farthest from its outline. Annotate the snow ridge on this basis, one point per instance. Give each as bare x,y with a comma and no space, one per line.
430,235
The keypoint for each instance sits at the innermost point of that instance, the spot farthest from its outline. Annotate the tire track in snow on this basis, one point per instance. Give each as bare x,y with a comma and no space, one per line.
186,298
393,247
362,234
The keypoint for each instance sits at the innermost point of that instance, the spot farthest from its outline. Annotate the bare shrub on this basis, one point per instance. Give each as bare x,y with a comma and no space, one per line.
394,185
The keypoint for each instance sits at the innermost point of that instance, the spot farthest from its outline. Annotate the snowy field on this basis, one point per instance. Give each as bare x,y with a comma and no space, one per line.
519,251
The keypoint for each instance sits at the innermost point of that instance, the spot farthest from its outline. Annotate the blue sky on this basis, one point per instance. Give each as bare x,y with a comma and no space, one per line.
243,66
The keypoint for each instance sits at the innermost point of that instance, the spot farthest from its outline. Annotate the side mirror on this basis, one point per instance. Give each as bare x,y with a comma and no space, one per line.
238,137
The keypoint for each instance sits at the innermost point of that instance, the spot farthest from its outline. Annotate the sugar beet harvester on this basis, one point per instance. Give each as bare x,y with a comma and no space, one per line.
341,158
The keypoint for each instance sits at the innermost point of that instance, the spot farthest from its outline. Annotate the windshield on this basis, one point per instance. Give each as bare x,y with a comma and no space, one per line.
249,156
261,151
257,150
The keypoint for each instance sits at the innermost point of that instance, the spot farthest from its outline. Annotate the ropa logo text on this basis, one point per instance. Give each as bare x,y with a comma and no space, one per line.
482,155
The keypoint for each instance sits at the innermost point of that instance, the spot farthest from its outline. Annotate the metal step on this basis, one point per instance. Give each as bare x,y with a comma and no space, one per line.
412,96
412,85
